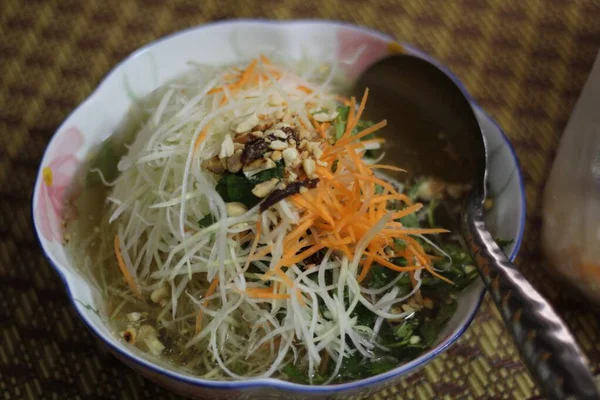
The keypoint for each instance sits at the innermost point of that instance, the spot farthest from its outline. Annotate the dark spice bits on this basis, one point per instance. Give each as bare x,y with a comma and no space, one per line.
254,150
291,189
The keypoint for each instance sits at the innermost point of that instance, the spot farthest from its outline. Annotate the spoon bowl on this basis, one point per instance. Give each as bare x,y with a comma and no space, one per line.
427,116
434,131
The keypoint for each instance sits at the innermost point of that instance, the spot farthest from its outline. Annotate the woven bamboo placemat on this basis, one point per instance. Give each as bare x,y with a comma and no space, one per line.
524,61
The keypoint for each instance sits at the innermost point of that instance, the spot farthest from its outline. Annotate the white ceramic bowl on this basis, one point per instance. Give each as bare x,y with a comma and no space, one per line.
223,43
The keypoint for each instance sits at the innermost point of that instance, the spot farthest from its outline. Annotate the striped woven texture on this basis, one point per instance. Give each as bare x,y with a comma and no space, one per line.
525,61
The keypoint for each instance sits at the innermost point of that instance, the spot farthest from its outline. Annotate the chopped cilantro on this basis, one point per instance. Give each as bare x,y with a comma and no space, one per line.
400,244
207,220
234,187
410,221
404,332
430,329
294,374
269,174
340,121
414,189
503,243
430,212
400,261
381,365
106,161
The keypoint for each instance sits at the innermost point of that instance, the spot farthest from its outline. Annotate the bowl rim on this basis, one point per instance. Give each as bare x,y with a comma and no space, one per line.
275,383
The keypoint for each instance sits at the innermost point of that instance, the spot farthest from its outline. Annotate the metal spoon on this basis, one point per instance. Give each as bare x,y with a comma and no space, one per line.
433,130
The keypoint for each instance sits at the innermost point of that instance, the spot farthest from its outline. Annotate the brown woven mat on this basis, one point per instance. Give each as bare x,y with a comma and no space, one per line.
525,61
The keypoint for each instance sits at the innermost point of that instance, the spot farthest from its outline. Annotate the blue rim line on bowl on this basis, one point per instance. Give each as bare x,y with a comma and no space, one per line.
271,382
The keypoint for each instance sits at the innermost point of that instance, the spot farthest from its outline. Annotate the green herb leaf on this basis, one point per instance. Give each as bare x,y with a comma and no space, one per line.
457,253
503,243
334,166
236,187
400,261
404,331
430,210
364,316
89,307
430,329
414,189
404,284
106,161
340,121
269,174
380,276
294,374
410,221
361,126
400,244
207,220
379,366
352,368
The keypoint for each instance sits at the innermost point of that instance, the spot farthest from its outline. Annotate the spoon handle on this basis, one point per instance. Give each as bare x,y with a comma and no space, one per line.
547,347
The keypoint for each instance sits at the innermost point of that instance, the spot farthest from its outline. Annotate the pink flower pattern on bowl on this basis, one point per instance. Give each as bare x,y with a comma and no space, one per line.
56,178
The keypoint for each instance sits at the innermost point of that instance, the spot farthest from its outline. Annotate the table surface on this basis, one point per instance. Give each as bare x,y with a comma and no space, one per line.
524,61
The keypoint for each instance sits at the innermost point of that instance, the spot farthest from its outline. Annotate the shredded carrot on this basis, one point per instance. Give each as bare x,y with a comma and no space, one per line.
201,137
125,271
391,197
264,59
407,211
323,129
265,293
350,119
415,231
244,78
286,279
361,108
306,253
343,99
304,89
323,172
437,275
245,75
345,205
209,292
365,269
376,140
259,254
384,262
365,132
303,225
388,167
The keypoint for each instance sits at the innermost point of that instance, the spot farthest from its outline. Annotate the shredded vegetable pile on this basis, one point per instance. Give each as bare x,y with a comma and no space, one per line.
255,234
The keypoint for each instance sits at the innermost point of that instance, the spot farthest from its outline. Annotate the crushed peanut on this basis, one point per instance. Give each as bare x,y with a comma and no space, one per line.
259,165
309,167
235,209
245,123
289,156
276,155
278,145
227,147
265,188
